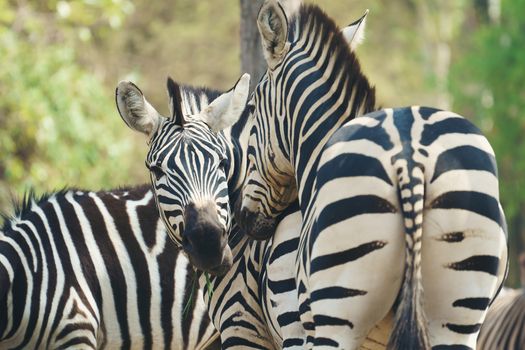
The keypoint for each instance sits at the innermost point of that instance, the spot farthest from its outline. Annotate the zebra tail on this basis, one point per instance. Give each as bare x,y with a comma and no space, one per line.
409,331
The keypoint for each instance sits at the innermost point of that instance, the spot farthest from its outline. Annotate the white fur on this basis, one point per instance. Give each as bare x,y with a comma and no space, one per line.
228,107
355,33
135,110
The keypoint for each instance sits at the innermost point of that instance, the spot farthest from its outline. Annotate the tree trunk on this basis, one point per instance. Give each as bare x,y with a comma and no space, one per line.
252,59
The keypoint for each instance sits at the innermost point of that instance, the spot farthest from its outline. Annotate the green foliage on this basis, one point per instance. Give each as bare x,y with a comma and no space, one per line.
58,122
488,83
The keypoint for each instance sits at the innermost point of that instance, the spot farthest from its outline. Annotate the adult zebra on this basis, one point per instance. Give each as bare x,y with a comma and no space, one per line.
94,270
368,190
190,162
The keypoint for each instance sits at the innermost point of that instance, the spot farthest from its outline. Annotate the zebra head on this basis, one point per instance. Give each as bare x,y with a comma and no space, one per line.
271,179
188,164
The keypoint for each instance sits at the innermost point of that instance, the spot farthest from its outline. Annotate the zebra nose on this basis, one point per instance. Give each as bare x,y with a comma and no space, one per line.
187,245
256,225
247,220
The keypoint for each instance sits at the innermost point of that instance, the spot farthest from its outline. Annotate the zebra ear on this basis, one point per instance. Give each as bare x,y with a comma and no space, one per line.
136,112
273,27
175,102
355,33
228,107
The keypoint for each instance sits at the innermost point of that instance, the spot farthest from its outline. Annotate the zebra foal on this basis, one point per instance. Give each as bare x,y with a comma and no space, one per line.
400,207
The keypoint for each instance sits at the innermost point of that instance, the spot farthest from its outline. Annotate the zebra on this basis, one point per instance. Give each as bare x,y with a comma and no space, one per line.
234,300
262,273
94,270
368,188
504,326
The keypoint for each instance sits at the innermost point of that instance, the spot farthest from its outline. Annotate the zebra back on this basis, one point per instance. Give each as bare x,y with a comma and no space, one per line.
96,270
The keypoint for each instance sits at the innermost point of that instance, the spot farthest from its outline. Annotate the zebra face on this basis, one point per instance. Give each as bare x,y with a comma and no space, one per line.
188,172
188,164
270,185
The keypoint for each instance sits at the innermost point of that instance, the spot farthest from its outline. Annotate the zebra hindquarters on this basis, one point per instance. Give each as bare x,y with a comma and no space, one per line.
356,248
464,255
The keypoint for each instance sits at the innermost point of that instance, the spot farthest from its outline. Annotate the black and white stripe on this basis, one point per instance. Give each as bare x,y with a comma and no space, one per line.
400,207
94,270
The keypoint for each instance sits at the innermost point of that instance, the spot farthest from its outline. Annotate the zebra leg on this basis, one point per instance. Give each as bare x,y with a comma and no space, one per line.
463,262
356,259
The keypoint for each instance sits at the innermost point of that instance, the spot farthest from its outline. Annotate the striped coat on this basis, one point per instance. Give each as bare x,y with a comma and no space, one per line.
95,270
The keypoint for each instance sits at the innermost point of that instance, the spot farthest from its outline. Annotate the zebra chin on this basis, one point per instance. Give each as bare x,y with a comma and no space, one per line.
255,224
213,269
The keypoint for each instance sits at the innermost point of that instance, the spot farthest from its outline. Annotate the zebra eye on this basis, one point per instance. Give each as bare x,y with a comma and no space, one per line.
156,171
223,163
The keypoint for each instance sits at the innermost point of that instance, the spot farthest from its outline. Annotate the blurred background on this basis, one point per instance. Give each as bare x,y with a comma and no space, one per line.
61,60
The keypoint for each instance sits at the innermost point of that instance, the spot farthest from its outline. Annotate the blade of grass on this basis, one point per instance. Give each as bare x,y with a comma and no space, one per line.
208,285
190,300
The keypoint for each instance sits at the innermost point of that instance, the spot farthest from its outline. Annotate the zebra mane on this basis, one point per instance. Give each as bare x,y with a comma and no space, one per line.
312,23
23,206
195,98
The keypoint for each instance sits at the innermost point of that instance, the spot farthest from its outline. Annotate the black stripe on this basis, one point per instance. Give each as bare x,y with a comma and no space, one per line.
477,202
324,320
472,303
325,342
335,259
283,249
481,263
335,293
78,340
350,165
287,343
452,237
281,286
464,329
454,125
347,208
464,158
426,112
288,318
451,347
376,134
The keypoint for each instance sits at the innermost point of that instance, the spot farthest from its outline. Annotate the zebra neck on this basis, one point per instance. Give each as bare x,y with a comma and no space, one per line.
236,142
311,128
